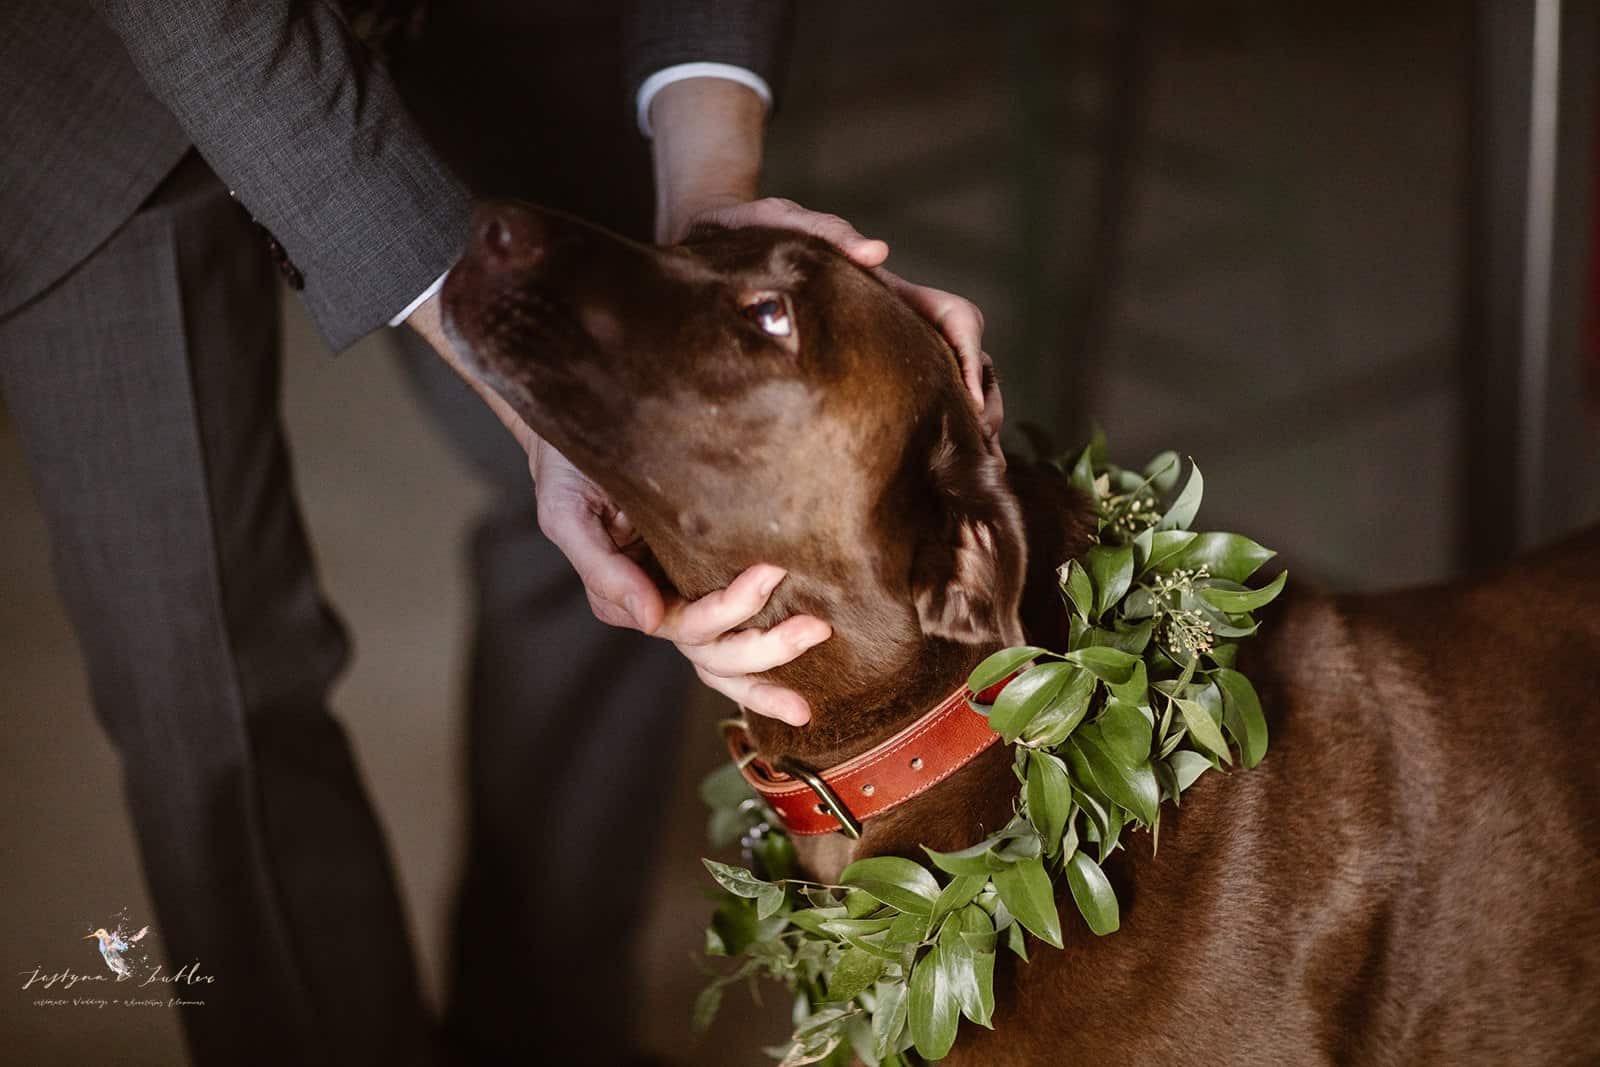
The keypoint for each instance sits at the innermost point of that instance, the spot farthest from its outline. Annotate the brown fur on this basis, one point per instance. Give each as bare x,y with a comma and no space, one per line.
1411,877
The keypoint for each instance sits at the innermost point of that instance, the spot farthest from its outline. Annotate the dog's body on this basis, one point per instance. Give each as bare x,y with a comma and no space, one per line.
1413,874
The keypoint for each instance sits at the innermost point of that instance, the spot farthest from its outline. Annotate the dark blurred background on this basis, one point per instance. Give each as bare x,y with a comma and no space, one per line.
1342,254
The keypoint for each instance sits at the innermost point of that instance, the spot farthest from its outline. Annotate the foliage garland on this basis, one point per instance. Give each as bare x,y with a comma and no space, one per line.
1140,705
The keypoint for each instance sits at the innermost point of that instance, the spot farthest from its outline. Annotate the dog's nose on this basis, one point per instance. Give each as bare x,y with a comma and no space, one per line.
509,236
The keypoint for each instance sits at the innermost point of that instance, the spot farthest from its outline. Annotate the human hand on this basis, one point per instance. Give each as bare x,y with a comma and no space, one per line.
605,550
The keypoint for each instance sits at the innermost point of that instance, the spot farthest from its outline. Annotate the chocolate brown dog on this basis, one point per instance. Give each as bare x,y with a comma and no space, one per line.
1411,877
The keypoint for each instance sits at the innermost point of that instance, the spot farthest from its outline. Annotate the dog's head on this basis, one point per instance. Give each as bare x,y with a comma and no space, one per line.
754,396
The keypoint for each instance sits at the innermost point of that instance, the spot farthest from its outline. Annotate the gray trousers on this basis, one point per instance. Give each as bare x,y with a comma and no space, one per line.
145,387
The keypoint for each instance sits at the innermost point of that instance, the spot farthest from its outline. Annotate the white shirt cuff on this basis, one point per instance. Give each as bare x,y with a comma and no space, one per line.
422,298
667,75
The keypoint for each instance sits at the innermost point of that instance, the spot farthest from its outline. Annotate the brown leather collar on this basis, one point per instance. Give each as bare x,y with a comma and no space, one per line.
885,776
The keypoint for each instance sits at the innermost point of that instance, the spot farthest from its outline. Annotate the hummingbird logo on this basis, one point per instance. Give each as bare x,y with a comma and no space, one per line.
113,943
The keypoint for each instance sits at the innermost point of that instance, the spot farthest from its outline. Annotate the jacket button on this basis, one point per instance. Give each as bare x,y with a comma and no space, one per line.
291,273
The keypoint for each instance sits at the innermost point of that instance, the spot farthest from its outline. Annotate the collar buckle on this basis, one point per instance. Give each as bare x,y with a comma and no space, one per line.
830,802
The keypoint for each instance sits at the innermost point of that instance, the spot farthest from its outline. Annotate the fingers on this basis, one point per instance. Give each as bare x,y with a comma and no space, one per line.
620,592
961,323
788,215
696,622
725,657
573,513
994,405
763,698
707,631
753,651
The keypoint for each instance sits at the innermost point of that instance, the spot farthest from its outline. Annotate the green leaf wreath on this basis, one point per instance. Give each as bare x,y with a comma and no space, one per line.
1144,700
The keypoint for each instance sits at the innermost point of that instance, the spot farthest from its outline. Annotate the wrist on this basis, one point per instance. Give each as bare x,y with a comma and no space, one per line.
676,214
707,150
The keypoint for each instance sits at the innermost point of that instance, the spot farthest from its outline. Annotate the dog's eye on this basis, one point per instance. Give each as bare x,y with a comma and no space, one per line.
770,311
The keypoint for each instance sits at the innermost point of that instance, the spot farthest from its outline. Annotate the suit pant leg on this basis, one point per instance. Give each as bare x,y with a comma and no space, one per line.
145,389
572,732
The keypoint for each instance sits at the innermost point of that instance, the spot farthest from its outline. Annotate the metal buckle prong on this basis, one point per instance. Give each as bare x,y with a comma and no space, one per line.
830,800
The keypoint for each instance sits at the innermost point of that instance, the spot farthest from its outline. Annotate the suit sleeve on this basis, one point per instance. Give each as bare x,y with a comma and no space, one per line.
753,34
293,113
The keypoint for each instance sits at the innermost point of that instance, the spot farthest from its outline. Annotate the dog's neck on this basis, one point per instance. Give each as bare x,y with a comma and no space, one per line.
1058,526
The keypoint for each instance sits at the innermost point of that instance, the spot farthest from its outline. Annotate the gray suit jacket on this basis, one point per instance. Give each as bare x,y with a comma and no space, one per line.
98,102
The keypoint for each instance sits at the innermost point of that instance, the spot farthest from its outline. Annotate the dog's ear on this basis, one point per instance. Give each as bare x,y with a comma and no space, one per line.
966,576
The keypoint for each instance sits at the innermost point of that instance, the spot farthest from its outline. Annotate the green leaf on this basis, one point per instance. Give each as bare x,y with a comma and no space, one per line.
1224,555
856,971
1063,714
878,946
958,894
1082,476
734,924
1018,847
768,901
983,969
843,927
724,826
1184,509
1078,588
1223,625
725,787
813,918
1187,766
1016,941
815,1038
1049,797
1164,544
970,860
977,929
894,880
705,1007
1096,449
1110,665
934,1011
1092,893
961,962
1069,837
1167,780
889,1017
858,1032
1142,543
1099,818
1163,471
1203,729
1131,637
1127,733
1115,823
1136,689
859,905
737,880
819,1020
775,857
1241,712
1112,571
1134,788
1026,696
1236,603
908,928
994,668
1027,893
